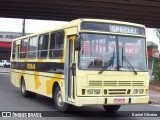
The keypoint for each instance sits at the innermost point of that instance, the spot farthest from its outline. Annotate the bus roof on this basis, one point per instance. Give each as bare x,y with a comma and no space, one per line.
106,21
78,21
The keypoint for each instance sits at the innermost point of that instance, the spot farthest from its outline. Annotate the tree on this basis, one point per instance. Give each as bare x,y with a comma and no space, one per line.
156,70
156,67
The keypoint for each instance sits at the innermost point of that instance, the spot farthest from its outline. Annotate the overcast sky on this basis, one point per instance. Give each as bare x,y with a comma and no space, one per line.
32,26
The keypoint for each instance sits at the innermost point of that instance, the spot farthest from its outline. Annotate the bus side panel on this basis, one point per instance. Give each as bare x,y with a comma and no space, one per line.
40,83
29,80
15,78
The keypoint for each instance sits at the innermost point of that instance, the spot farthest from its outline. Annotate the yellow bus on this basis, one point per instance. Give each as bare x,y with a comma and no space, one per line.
86,62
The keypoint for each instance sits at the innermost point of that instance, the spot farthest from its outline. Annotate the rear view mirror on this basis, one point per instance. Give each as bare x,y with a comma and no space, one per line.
77,44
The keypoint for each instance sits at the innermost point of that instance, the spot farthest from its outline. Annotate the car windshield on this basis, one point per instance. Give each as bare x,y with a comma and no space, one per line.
99,52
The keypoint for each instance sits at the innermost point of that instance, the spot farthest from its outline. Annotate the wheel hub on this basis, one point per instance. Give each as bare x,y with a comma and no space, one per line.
59,98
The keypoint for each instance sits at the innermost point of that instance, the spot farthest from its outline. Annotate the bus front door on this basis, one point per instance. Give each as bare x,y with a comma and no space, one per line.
69,77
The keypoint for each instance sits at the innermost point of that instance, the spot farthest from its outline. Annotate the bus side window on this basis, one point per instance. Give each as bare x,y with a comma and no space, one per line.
32,47
23,48
43,46
13,50
56,45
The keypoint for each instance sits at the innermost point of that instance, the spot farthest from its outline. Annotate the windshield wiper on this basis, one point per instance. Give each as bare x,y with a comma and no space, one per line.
130,65
109,63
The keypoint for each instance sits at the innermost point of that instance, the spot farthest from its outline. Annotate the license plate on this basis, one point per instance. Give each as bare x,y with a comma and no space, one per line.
120,100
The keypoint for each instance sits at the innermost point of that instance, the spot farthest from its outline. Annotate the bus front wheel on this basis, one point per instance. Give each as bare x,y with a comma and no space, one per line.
26,93
58,101
111,108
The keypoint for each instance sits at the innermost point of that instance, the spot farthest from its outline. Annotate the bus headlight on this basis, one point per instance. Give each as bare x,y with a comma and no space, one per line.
140,91
89,91
135,91
97,91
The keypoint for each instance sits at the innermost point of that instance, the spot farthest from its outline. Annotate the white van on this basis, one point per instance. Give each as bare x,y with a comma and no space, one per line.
5,63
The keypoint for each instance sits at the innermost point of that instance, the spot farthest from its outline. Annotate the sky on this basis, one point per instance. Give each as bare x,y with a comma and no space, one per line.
32,26
152,36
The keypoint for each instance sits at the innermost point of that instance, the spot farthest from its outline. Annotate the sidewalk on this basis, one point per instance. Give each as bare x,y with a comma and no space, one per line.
154,93
4,70
154,97
154,86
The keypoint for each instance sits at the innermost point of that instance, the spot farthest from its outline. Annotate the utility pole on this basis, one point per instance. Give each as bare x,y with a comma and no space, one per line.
23,27
158,34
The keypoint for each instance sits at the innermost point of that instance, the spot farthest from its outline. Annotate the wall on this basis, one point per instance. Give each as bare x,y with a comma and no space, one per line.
5,44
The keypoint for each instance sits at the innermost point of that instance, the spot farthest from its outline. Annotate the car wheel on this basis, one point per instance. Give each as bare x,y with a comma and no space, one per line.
58,101
111,108
26,93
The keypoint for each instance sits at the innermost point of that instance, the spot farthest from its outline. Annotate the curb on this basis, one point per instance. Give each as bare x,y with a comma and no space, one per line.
154,102
4,72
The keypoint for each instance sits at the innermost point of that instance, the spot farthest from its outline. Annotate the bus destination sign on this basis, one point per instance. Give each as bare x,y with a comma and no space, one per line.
123,29
116,28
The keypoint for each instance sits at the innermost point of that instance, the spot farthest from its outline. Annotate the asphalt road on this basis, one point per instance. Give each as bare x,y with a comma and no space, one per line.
12,100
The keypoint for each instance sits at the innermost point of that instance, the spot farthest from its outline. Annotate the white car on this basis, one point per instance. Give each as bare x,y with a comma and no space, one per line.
5,63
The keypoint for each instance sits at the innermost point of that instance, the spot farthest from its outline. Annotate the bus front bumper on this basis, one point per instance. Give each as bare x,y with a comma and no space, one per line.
83,101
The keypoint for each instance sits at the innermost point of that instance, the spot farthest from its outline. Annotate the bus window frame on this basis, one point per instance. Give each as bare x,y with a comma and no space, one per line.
26,48
32,51
14,49
62,49
117,35
46,50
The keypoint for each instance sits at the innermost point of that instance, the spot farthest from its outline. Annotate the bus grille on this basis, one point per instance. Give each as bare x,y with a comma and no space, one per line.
116,83
117,91
95,83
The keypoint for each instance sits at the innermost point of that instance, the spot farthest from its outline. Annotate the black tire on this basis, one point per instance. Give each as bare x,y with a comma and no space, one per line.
59,104
111,108
26,93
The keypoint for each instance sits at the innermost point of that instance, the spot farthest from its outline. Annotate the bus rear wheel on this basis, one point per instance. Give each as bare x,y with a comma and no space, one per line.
58,101
111,108
26,93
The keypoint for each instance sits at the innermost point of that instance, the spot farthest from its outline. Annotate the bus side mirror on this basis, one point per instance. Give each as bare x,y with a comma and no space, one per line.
77,44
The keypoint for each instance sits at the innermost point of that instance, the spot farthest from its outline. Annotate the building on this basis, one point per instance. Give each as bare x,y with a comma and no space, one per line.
153,47
5,44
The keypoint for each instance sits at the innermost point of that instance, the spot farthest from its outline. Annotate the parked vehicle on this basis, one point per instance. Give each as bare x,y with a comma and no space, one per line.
5,63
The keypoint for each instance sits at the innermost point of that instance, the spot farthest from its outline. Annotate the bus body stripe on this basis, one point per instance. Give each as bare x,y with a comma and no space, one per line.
50,67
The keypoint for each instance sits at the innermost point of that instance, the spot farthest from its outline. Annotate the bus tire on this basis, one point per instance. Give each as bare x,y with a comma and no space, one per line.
26,93
58,101
111,108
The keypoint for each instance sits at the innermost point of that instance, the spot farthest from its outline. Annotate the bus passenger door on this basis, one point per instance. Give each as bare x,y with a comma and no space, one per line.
69,78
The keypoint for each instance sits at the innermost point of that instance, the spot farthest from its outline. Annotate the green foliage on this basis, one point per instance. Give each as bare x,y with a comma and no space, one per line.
156,66
156,69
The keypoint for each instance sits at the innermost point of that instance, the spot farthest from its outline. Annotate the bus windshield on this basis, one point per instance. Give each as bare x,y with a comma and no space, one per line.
100,52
